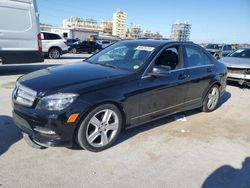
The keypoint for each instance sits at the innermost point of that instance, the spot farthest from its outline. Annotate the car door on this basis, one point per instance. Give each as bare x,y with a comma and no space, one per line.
162,95
201,71
82,46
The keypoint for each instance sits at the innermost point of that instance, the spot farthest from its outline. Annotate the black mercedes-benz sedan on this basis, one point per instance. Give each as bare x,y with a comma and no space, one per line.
124,85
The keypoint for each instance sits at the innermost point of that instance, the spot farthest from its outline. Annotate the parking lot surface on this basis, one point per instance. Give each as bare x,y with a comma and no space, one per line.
196,150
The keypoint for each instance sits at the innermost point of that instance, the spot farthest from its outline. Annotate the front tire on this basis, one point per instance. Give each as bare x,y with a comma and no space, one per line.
100,128
54,53
211,100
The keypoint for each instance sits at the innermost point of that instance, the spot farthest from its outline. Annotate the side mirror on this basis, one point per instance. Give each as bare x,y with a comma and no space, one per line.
160,71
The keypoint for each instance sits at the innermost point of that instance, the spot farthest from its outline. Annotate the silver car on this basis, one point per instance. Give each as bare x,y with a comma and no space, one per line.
238,65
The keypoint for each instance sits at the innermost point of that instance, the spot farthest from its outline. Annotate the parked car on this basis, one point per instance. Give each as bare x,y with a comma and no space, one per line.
85,46
104,43
20,39
238,65
126,84
71,41
54,45
219,51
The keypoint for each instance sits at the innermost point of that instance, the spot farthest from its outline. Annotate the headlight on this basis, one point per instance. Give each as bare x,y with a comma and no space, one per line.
57,102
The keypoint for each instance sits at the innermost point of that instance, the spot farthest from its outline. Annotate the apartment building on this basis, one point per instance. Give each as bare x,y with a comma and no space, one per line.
180,31
107,26
120,24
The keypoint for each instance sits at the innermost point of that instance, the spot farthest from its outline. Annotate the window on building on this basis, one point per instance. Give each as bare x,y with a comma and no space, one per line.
65,35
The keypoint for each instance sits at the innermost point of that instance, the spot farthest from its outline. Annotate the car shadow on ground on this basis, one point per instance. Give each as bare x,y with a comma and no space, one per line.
154,124
9,133
229,177
224,98
8,70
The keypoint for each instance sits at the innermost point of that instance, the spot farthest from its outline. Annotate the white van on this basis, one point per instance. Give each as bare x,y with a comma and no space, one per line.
20,38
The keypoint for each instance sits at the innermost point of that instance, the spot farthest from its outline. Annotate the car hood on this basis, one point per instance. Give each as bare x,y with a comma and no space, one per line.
67,76
212,50
236,62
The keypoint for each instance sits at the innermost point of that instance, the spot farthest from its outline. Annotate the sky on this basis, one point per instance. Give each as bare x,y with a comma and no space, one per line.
218,21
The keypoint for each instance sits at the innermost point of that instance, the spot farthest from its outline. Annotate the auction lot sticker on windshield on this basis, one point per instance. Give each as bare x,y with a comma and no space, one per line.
145,48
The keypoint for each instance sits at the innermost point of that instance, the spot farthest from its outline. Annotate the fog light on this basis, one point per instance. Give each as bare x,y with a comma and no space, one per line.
44,130
73,118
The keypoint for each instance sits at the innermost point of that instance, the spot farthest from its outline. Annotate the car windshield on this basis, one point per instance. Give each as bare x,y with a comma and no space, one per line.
123,55
242,53
213,46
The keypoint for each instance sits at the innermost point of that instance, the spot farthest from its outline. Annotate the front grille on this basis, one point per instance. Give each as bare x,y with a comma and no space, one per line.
24,96
238,70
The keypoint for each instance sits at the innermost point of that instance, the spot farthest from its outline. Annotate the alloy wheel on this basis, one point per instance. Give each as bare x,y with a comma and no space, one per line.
54,54
102,128
213,98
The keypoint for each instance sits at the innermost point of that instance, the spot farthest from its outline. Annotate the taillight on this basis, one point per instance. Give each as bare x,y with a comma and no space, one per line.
39,38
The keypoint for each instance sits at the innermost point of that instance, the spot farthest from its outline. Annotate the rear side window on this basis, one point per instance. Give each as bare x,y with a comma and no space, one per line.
196,57
51,36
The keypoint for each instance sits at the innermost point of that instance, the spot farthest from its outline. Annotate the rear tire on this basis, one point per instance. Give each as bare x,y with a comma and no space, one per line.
32,143
211,100
54,53
100,128
74,50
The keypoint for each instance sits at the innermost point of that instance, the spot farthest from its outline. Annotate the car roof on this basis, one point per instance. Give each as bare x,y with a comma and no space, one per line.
155,42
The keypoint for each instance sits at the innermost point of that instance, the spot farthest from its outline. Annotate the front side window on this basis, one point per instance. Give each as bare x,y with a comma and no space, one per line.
169,58
124,55
196,57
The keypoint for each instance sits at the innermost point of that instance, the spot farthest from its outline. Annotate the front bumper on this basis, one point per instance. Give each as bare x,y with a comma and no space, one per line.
29,126
49,128
238,77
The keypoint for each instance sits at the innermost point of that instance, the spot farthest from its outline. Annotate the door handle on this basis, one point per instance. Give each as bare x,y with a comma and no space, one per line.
183,76
209,69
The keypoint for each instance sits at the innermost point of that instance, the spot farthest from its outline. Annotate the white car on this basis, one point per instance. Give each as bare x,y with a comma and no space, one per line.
54,45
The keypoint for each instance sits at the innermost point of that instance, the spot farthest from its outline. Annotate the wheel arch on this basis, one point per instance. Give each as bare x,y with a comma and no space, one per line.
215,82
115,103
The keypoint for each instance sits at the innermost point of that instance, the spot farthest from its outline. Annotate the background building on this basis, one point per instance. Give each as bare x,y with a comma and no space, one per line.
180,31
120,24
134,32
107,26
69,33
151,34
81,23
